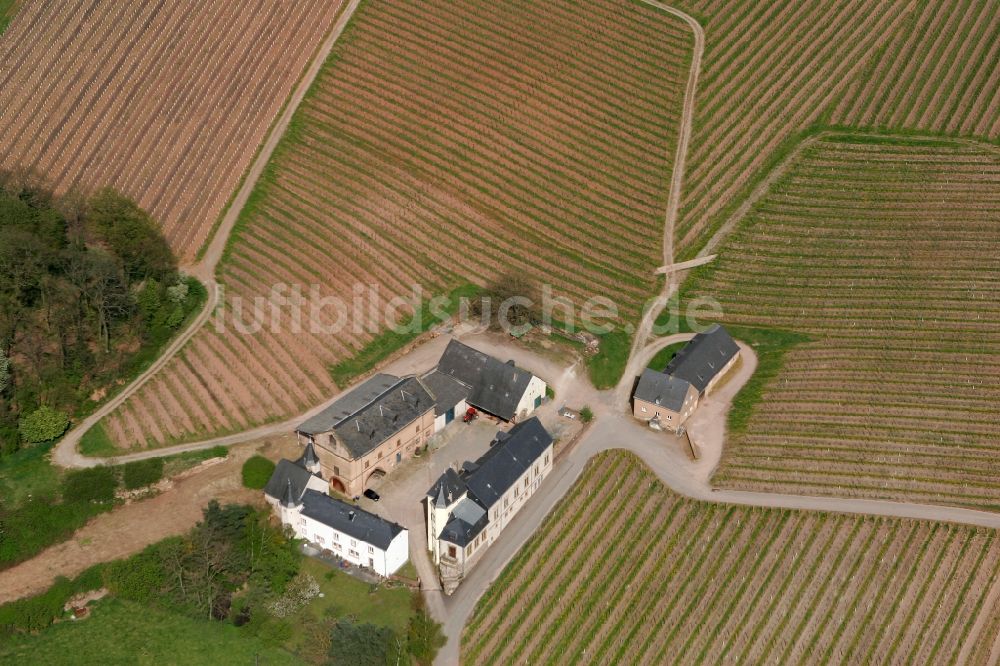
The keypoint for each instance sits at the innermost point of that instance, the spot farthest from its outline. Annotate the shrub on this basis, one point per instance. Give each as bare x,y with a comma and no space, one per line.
424,636
138,578
38,612
95,484
586,414
43,425
256,472
142,473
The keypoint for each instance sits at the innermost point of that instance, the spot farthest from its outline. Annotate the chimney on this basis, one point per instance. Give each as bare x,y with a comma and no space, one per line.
350,516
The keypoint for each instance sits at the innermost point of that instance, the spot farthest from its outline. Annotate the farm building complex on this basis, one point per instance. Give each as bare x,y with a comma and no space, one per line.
468,508
298,497
666,399
371,430
367,433
485,383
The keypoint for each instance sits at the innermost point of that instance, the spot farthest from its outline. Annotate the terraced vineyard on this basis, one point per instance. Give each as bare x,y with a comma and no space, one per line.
695,582
165,101
886,252
440,147
772,70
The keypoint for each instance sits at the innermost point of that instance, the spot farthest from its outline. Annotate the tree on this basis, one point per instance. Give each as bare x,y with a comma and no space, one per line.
586,414
4,371
510,301
131,234
424,636
43,425
363,644
257,471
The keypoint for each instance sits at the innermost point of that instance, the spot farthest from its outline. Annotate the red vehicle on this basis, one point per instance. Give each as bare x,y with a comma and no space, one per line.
470,415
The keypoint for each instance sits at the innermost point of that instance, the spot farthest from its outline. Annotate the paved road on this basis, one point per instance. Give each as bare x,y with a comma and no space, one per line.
65,453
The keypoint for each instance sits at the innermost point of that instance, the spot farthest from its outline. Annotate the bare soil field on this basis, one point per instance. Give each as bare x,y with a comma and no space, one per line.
165,101
773,70
130,528
885,253
693,582
438,148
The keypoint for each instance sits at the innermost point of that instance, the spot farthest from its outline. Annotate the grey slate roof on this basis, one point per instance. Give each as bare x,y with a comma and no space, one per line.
364,526
461,530
507,460
308,457
497,387
511,455
449,482
357,399
370,417
286,472
662,389
448,391
700,360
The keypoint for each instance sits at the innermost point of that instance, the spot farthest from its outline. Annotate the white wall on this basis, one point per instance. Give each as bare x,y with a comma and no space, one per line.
383,562
535,389
460,408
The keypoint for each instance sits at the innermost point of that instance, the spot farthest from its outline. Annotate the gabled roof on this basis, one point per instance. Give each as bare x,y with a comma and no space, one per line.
354,401
287,475
366,423
497,387
448,391
662,389
349,519
507,460
700,360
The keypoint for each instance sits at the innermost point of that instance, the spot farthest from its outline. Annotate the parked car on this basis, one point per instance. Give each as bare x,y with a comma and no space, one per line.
372,495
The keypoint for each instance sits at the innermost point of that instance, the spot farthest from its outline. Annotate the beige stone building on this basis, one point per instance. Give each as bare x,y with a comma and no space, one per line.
467,509
666,399
365,435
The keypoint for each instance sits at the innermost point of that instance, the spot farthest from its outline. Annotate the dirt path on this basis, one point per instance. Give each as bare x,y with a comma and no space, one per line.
65,453
130,528
642,332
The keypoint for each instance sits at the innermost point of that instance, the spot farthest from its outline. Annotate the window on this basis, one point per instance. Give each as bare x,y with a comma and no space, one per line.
517,492
353,553
332,440
468,550
452,552
669,417
371,549
367,464
336,471
525,481
398,440
336,547
302,521
320,540
380,455
336,536
546,459
354,543
536,470
644,409
506,502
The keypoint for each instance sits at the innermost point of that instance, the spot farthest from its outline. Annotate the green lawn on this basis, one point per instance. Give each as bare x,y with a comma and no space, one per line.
608,364
121,632
344,595
664,356
27,472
